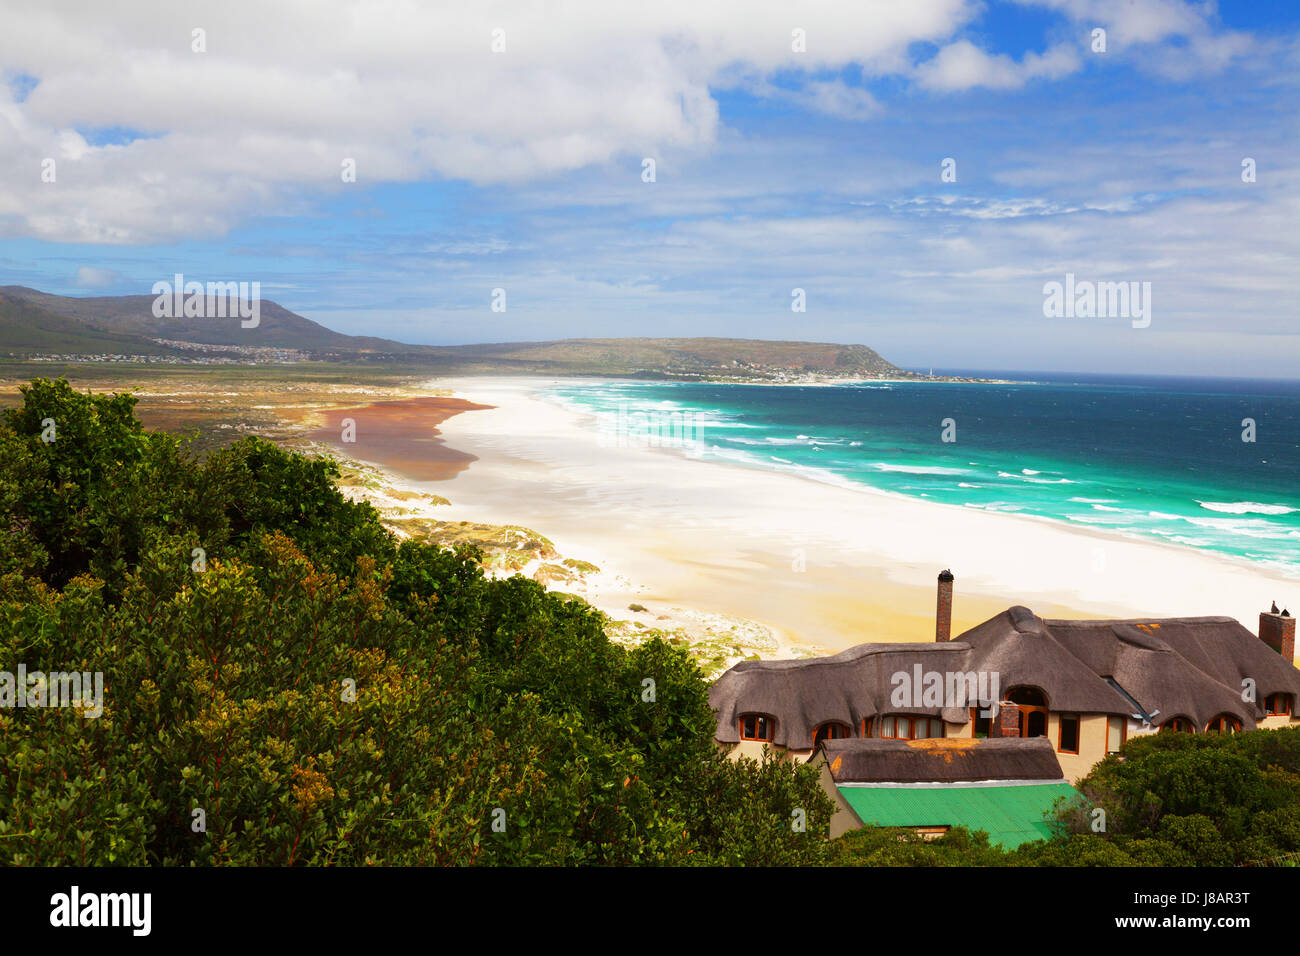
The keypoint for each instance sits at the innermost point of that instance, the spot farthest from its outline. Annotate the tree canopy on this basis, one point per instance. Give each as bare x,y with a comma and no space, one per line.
285,682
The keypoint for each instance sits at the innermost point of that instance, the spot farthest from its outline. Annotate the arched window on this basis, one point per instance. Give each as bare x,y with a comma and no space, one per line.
1275,704
1027,697
831,730
1223,724
1033,710
1178,725
910,728
757,727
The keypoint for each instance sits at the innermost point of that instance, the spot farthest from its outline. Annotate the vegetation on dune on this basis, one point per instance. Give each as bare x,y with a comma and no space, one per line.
284,682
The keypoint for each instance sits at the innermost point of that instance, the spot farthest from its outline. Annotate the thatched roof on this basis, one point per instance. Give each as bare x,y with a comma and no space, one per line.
1187,666
941,760
804,694
1191,667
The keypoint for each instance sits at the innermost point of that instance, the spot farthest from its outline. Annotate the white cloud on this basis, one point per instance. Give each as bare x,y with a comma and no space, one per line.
962,65
1177,39
287,90
89,277
840,100
1130,22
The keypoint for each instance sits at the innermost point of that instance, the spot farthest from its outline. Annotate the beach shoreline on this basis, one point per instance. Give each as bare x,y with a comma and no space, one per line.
823,567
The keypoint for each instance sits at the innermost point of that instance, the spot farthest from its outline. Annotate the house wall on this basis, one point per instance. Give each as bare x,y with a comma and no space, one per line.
843,819
1092,741
1280,720
753,749
1138,729
1092,744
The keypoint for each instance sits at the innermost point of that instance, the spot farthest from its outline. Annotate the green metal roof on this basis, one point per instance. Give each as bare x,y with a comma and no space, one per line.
1011,815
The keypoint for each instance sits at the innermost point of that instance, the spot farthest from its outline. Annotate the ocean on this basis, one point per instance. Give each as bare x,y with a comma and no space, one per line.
1159,458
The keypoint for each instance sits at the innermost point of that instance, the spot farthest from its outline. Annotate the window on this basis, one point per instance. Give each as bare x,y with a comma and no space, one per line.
911,728
831,730
1028,697
1223,724
866,726
1179,725
980,726
1116,729
1033,710
1069,736
757,727
931,833
1275,704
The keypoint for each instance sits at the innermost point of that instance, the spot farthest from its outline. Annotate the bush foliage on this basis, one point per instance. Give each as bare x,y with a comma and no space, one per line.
323,693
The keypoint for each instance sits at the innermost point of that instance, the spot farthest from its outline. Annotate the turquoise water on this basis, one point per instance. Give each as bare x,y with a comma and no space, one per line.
1156,458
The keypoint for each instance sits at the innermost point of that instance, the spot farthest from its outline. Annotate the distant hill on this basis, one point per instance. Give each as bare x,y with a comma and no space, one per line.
27,328
39,323
132,315
678,358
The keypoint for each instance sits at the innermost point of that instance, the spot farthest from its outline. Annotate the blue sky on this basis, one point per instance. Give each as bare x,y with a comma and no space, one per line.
776,169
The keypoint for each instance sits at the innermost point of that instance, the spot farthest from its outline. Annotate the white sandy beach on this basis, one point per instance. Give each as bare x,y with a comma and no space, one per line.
676,532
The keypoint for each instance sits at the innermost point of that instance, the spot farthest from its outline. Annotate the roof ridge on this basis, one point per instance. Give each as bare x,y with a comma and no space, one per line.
868,649
1107,622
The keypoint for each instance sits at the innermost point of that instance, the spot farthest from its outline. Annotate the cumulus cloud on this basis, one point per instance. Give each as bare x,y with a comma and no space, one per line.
284,92
115,130
962,65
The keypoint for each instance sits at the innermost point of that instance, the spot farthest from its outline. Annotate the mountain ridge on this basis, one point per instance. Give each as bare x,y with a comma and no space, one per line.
33,322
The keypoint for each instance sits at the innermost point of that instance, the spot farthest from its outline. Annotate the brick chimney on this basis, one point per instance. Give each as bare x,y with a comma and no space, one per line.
943,614
1007,723
1278,632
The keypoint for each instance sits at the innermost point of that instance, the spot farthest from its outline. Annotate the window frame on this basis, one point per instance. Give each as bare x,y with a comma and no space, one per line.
1060,732
758,718
1288,703
912,722
848,731
929,833
1123,732
1231,721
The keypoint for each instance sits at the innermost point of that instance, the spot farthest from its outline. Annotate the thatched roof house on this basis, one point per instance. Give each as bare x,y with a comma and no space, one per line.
1192,667
1085,685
